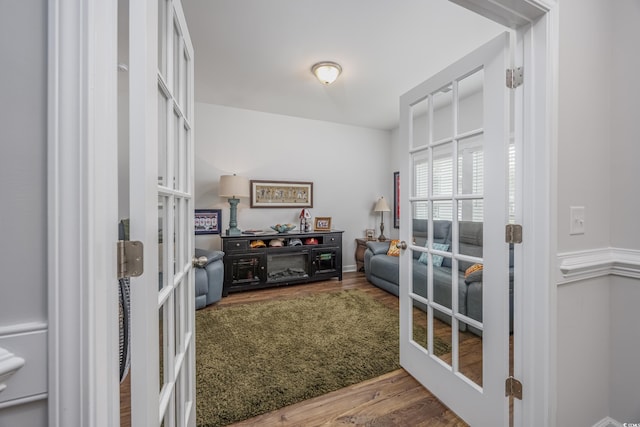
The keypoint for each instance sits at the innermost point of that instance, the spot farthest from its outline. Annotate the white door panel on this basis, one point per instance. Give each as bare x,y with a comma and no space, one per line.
161,209
454,334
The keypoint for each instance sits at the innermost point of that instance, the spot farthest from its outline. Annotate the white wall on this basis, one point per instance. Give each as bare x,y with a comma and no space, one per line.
597,156
624,207
349,167
23,209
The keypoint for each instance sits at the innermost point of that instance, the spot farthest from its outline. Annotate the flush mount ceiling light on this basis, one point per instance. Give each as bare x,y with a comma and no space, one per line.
326,72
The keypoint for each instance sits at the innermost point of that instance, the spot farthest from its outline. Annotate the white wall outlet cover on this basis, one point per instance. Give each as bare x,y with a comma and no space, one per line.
577,220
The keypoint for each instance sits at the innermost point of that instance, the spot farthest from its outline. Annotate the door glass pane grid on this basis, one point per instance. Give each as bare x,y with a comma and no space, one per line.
420,123
183,76
162,242
442,115
178,239
175,59
163,8
188,109
470,353
163,129
470,102
442,170
179,318
471,165
174,163
185,166
420,326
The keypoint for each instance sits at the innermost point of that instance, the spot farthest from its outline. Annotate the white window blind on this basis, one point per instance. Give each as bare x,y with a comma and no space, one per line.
442,183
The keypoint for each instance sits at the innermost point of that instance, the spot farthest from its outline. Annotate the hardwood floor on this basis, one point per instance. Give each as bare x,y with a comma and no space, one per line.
394,399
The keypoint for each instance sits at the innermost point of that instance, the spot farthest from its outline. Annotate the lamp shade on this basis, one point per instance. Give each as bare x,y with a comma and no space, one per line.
381,206
234,186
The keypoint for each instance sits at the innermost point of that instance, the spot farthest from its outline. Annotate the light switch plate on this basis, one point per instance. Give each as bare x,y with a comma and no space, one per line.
577,218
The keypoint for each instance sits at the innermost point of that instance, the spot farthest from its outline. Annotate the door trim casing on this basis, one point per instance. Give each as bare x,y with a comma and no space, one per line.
536,24
82,213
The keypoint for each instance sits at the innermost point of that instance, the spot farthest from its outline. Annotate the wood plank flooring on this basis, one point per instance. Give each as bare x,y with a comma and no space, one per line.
394,399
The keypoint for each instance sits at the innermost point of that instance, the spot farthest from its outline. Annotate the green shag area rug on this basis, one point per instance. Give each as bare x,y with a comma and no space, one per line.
258,357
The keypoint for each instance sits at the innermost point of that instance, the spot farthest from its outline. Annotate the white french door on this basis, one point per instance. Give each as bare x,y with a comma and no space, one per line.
455,335
161,212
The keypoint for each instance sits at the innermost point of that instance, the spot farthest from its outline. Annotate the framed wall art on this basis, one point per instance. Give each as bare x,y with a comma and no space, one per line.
281,194
322,223
396,200
207,221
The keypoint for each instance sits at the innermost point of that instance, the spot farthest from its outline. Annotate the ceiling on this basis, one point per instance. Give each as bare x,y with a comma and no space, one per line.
257,54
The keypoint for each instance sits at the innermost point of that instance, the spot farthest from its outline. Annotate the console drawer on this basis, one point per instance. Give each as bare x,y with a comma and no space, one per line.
235,245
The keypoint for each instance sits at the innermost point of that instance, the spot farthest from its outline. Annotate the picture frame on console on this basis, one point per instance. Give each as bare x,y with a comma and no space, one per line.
281,194
207,221
322,223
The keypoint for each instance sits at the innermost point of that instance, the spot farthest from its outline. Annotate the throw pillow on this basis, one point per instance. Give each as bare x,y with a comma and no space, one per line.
393,249
437,259
473,273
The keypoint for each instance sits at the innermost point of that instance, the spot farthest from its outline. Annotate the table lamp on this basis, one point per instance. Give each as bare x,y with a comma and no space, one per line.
233,187
382,207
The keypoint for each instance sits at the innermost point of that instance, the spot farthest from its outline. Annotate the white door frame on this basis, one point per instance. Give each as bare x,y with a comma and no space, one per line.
83,386
536,22
82,213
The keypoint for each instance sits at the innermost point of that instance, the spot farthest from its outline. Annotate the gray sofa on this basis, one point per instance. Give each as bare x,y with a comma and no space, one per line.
209,278
382,270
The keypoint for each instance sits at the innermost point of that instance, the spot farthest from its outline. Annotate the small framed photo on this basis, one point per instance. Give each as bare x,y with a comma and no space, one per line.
322,223
207,221
370,234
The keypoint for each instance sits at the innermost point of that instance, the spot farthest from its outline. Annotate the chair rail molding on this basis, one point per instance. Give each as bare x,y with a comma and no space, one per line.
588,264
9,365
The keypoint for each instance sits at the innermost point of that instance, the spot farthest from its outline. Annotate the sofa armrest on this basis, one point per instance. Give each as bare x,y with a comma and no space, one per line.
378,247
211,255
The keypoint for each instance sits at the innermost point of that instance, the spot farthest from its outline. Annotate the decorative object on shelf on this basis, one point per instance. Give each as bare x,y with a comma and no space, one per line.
327,72
322,223
207,221
370,234
305,219
281,194
233,187
382,207
283,228
396,200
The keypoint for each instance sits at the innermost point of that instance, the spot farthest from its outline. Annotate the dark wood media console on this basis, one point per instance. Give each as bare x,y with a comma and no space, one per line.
301,258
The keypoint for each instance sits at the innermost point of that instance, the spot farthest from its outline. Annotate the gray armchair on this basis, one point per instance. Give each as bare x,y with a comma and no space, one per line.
209,278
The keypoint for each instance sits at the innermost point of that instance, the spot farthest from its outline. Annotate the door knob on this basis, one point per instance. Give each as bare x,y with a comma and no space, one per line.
401,245
199,262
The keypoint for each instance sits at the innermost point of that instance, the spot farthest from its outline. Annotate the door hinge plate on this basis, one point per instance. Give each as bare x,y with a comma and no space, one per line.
513,233
513,387
515,77
130,258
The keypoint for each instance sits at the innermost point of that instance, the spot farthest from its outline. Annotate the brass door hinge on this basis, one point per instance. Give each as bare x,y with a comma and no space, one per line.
130,258
513,387
513,233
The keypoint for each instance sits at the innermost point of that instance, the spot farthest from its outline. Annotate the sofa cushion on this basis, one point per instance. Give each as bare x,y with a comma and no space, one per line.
437,259
473,273
394,250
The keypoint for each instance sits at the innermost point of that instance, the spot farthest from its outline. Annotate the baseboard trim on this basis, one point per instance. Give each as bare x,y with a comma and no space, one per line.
607,422
349,268
581,265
